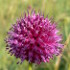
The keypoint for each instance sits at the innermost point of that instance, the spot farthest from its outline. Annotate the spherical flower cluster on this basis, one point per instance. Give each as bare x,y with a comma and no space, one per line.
34,38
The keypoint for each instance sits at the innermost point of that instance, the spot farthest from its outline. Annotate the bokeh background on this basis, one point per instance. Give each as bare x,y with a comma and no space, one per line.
10,10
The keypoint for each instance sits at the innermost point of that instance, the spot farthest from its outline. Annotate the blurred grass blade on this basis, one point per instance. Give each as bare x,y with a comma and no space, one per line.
59,57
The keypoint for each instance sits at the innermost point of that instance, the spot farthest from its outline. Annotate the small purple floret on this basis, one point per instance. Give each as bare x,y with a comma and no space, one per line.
34,38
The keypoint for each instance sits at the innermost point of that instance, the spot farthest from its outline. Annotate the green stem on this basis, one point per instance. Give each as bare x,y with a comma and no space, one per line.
30,66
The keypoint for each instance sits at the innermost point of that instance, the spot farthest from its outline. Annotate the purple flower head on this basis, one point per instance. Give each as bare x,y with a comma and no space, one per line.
34,38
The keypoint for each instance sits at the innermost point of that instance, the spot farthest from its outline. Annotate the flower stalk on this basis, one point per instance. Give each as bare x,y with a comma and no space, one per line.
30,66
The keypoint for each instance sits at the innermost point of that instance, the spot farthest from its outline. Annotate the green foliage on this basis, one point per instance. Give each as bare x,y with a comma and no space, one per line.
11,9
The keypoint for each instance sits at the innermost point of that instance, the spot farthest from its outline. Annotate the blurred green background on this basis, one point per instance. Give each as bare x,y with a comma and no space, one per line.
10,10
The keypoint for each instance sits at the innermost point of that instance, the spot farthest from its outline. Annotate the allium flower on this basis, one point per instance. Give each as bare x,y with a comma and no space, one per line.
34,38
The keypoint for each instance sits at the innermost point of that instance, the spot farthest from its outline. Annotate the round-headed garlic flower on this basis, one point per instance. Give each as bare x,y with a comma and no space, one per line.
34,38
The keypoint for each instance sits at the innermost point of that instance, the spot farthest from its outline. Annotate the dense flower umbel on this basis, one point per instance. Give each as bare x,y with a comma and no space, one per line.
34,38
